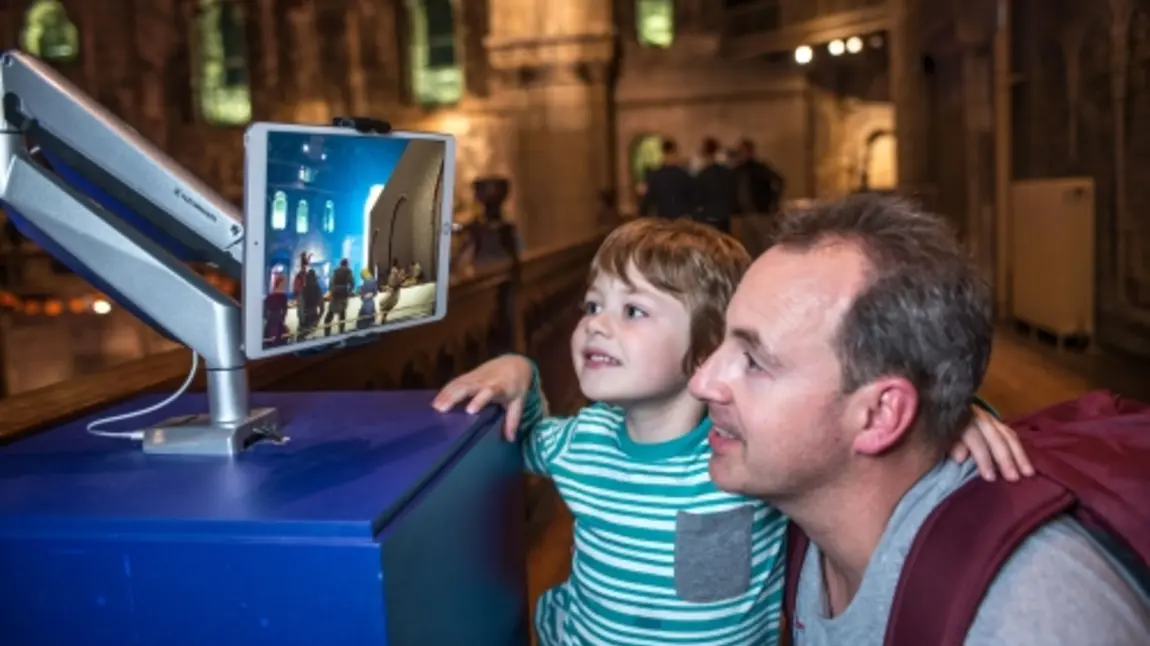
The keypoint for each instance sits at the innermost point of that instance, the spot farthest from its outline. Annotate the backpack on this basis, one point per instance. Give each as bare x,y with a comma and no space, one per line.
1092,458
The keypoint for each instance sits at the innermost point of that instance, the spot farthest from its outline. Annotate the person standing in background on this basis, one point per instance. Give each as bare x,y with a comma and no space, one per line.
671,191
759,191
717,189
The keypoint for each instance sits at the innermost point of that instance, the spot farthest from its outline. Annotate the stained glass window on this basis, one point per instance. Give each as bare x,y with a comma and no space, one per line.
223,84
329,216
301,217
655,22
436,75
279,211
646,155
48,33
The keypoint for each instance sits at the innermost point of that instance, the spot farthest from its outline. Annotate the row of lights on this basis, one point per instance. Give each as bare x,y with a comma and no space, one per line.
805,53
95,304
54,306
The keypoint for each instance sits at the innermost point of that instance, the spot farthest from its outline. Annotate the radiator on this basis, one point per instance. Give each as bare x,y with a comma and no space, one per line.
1052,254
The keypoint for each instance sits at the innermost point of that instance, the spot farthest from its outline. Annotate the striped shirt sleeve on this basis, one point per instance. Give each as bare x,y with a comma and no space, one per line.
544,437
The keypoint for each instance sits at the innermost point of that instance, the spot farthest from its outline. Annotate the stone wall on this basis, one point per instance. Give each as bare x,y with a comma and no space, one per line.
669,93
1082,107
842,155
308,61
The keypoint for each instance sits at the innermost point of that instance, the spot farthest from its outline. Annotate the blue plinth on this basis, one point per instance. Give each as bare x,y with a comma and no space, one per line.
380,522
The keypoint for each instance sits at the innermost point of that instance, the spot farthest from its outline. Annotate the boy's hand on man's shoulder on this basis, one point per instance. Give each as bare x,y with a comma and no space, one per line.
505,380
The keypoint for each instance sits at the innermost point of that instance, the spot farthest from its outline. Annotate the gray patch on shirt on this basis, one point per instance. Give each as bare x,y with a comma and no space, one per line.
713,554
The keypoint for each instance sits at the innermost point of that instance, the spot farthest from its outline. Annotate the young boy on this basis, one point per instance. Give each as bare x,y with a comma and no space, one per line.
662,556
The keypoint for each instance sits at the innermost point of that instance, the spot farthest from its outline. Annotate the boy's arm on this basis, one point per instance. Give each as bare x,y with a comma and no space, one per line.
984,405
544,437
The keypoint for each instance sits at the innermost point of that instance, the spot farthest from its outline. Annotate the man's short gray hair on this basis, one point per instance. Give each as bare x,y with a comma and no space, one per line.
924,313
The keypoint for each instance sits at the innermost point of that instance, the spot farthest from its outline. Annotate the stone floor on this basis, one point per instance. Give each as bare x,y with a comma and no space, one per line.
1024,375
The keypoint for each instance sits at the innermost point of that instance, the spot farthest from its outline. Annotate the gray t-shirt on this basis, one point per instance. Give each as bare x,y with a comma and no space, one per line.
1059,588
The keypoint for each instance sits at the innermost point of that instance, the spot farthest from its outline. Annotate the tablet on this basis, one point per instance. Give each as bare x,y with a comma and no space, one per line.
347,234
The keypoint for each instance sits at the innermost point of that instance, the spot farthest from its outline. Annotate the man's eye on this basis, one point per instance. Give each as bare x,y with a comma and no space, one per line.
632,312
752,365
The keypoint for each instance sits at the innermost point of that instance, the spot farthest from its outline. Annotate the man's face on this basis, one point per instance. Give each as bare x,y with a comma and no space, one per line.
774,387
629,346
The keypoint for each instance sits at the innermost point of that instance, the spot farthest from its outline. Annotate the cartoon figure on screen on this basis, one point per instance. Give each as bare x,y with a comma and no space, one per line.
342,286
297,284
391,296
309,305
368,290
413,274
275,312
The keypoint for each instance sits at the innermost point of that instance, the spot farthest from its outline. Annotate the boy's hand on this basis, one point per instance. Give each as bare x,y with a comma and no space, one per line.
505,380
994,446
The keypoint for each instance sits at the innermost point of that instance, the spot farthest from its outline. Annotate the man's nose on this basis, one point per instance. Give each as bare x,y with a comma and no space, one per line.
705,384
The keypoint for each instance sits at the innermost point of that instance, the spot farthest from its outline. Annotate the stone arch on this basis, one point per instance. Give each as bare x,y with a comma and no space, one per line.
445,362
411,379
472,352
880,161
48,33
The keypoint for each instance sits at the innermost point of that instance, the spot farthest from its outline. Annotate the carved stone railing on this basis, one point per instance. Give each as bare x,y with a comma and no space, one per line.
530,306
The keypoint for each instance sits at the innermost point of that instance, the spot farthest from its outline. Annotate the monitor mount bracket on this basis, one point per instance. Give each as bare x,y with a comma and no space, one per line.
42,110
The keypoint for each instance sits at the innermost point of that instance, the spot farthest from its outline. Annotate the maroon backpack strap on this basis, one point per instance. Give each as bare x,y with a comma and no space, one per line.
797,543
958,552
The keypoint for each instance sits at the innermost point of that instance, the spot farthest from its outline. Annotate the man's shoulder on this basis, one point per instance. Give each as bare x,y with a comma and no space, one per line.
1061,587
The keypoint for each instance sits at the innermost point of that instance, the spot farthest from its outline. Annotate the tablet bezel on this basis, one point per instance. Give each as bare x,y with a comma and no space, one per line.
255,232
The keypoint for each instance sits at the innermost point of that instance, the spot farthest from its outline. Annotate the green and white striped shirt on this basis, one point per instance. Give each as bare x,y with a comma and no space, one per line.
662,556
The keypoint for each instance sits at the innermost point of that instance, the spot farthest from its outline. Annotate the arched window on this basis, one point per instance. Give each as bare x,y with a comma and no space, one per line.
436,73
329,216
279,211
655,22
301,217
222,78
48,33
646,155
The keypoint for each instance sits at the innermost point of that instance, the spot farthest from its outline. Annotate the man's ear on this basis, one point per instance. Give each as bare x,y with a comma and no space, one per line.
882,413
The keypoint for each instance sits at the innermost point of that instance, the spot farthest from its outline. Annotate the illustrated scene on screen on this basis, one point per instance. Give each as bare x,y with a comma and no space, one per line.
351,233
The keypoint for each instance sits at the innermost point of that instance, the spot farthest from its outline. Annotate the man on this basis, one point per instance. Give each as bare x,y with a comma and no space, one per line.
342,286
671,191
716,184
758,190
854,347
760,187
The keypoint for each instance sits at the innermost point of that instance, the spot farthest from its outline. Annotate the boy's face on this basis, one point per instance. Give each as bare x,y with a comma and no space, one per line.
630,344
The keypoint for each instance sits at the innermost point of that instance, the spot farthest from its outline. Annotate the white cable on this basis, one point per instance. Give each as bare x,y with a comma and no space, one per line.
93,427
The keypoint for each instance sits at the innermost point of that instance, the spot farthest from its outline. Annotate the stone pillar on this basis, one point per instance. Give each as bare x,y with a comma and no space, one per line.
470,29
910,94
1003,156
975,31
156,37
551,67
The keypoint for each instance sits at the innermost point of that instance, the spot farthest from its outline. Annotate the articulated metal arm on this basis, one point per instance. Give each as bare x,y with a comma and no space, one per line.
43,109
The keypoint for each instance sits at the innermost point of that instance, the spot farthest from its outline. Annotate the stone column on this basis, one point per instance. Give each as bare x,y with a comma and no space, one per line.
155,39
551,70
975,30
910,93
470,29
